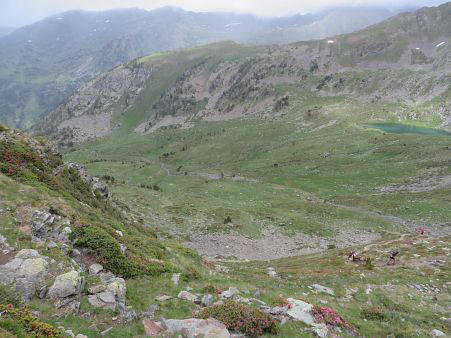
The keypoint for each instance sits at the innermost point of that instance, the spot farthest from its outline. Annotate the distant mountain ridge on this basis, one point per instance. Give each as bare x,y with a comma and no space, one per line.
405,59
6,30
44,63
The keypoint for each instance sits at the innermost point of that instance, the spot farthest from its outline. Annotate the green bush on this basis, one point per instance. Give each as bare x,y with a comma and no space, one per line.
108,250
239,317
373,313
142,259
3,127
17,320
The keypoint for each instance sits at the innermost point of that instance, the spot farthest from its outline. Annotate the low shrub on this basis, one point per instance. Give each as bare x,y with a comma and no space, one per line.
143,256
243,318
373,313
329,316
108,250
17,318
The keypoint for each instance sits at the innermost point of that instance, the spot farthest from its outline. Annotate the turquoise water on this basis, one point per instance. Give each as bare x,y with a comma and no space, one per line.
399,128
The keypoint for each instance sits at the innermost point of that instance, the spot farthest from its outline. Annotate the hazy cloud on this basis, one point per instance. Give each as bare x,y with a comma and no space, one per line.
21,12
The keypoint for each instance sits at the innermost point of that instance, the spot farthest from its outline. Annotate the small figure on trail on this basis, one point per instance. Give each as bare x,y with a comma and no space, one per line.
392,257
421,231
353,255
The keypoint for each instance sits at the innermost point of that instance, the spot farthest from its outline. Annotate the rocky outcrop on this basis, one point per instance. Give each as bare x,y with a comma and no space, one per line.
65,285
191,328
26,273
110,294
88,113
4,246
98,188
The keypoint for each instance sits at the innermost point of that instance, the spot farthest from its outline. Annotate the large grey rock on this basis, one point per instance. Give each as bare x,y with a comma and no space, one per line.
438,333
26,272
97,289
230,293
163,298
185,295
151,328
207,300
323,289
110,294
41,222
302,311
94,269
193,328
65,285
105,300
175,278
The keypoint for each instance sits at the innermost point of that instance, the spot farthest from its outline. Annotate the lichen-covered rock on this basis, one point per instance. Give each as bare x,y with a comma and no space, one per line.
185,295
230,293
65,285
26,272
324,289
302,311
206,328
110,294
94,269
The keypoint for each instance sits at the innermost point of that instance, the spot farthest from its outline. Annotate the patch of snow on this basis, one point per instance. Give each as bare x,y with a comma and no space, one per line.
441,44
59,18
232,24
29,41
107,21
418,48
330,41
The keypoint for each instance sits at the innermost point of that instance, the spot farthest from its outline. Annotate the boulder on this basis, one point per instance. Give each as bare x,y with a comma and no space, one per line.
163,298
151,328
97,289
323,289
302,311
26,272
41,223
230,293
185,295
207,300
105,300
109,295
438,333
191,328
94,269
175,278
65,285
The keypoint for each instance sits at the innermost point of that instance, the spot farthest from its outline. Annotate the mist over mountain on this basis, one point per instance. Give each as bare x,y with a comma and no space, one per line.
43,63
6,30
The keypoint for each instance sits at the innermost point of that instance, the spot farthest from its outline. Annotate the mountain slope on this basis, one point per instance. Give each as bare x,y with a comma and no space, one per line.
44,63
404,59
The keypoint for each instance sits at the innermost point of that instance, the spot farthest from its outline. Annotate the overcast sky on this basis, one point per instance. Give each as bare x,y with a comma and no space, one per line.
21,12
